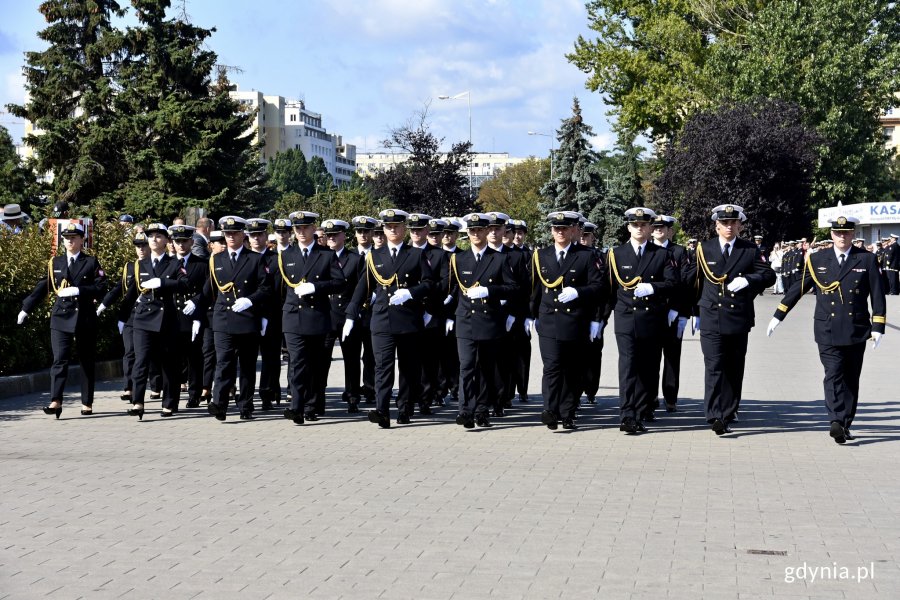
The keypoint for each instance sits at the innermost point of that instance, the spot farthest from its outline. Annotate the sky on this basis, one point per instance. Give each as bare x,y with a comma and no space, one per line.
370,65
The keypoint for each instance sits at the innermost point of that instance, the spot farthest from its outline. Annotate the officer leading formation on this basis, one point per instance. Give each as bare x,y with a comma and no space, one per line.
198,307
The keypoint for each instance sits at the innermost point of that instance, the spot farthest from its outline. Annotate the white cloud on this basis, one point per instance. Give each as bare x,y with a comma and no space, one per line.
603,141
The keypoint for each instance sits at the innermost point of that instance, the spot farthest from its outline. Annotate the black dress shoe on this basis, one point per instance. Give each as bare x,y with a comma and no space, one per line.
482,420
639,427
246,415
837,432
670,407
193,403
425,410
166,413
469,422
498,412
649,417
549,419
719,427
591,399
155,395
126,396
628,425
136,412
523,398
403,419
213,409
311,416
353,407
569,424
460,418
847,435
266,405
376,417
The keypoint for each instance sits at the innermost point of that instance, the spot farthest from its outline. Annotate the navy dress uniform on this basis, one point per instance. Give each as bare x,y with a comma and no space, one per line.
216,239
270,341
359,342
568,291
238,289
191,314
449,358
401,279
125,318
76,281
681,302
728,275
520,336
845,282
310,274
517,310
891,267
593,350
156,281
480,282
433,331
350,263
643,278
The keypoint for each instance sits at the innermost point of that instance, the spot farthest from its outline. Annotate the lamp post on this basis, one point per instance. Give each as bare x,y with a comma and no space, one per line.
468,96
552,138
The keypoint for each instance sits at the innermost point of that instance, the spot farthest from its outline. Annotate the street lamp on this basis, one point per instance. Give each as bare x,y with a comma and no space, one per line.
552,138
468,96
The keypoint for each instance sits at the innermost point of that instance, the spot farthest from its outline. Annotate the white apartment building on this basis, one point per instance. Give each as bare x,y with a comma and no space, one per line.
281,124
485,165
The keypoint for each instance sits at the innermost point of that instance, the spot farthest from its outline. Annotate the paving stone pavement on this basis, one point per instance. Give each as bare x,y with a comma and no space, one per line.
109,507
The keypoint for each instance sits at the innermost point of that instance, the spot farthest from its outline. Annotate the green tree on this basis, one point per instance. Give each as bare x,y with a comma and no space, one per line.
758,155
317,173
288,173
71,99
621,174
429,181
17,182
516,191
659,63
187,138
575,185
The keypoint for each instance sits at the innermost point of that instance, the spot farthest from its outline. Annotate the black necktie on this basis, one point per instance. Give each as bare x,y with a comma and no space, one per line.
640,252
155,264
305,253
233,258
841,261
726,253
393,254
562,256
71,261
477,258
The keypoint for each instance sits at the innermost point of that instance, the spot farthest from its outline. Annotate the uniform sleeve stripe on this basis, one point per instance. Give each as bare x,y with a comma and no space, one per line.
881,320
783,307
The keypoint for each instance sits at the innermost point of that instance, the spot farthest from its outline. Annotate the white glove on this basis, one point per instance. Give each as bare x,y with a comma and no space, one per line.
595,330
348,327
195,329
773,324
448,299
121,325
876,339
695,325
21,318
100,309
426,319
67,292
265,324
530,324
152,284
673,314
400,296
477,292
679,330
737,284
448,326
189,308
305,289
241,304
567,294
509,322
372,299
643,289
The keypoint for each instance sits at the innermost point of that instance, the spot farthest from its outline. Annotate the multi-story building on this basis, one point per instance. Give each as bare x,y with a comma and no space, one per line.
890,124
280,124
485,165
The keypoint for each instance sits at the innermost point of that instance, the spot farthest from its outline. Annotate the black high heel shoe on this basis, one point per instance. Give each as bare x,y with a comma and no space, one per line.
86,413
137,412
53,411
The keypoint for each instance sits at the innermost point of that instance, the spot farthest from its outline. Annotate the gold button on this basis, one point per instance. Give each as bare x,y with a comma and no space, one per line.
832,314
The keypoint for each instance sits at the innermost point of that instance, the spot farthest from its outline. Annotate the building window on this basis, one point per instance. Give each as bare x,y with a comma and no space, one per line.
293,118
888,133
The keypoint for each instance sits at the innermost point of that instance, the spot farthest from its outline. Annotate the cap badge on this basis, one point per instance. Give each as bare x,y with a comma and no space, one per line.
230,221
389,213
639,212
729,209
842,220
